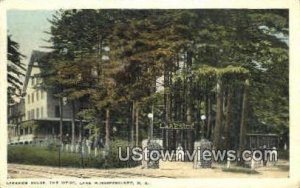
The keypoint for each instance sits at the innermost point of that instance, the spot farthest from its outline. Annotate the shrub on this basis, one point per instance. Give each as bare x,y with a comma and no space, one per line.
41,156
283,154
112,159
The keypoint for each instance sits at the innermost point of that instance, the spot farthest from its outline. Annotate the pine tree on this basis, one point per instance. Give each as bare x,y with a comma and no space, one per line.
15,70
214,46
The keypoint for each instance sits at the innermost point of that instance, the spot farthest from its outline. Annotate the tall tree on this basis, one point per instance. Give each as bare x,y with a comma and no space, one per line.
15,70
144,45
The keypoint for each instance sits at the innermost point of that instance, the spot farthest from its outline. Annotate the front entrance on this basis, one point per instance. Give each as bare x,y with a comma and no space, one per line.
175,137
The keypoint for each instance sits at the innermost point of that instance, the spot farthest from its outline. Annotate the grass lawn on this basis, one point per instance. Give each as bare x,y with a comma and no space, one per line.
34,155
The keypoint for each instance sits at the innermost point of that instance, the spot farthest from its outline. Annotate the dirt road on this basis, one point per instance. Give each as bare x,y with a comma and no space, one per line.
166,170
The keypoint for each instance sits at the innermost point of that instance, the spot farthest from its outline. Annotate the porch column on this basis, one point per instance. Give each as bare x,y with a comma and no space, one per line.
33,130
19,130
14,132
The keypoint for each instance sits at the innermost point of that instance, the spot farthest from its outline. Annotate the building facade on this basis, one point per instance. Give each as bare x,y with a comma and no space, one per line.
36,117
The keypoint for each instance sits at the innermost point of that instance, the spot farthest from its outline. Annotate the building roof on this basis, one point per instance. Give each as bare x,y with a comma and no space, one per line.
35,57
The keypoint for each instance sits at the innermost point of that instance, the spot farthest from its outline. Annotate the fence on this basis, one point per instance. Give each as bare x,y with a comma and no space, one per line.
85,148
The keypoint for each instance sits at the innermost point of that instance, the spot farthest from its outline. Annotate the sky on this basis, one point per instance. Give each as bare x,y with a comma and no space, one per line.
27,27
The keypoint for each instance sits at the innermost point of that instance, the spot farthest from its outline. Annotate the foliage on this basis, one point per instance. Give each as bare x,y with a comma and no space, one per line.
40,156
112,161
112,58
15,70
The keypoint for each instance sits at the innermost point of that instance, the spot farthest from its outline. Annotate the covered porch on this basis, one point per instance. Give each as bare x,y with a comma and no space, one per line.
39,131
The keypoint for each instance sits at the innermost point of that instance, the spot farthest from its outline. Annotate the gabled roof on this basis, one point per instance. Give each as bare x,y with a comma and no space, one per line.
35,57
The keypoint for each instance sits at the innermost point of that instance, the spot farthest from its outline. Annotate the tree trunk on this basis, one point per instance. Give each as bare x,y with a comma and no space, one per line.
166,96
80,131
228,119
61,120
73,123
199,123
166,106
107,128
189,88
132,124
81,143
151,123
219,115
243,126
208,115
137,126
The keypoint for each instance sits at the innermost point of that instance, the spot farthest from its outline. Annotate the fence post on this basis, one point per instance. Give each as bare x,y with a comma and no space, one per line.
76,148
96,151
89,149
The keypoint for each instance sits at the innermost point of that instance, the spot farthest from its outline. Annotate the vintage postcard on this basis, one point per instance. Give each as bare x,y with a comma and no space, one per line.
147,94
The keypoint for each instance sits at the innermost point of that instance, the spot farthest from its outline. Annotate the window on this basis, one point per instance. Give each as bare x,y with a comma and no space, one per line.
39,79
57,111
32,97
32,114
28,115
32,81
42,94
42,111
37,95
37,113
28,98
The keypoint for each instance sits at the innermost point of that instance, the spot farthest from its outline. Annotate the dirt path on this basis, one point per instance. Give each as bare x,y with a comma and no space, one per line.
166,170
